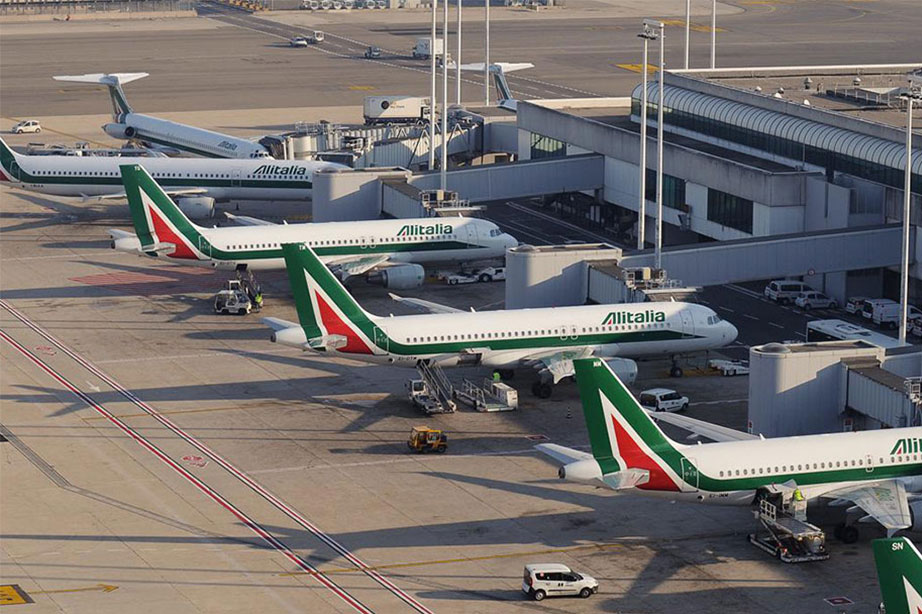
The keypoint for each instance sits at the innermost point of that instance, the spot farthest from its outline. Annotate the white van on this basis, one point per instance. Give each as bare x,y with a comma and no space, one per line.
785,291
663,399
887,314
556,580
876,306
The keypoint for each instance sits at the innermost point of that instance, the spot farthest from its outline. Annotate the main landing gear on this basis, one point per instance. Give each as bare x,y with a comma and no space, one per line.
675,370
542,389
846,533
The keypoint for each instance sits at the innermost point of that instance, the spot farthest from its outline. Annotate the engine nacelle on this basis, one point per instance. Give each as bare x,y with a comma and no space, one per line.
293,336
587,470
132,245
915,513
120,131
624,368
400,277
196,207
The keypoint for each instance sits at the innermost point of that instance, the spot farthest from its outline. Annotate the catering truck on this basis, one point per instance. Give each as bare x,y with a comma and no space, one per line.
395,109
422,50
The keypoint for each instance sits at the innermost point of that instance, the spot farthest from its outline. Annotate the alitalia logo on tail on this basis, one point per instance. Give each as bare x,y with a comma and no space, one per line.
415,230
274,169
907,445
627,317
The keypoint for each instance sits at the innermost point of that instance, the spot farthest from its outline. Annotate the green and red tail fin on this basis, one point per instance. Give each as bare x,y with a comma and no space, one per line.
326,310
9,164
621,433
157,220
899,571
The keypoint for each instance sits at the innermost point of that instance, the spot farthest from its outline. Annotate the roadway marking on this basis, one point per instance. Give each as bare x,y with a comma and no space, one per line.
12,594
560,222
776,325
720,402
251,524
637,68
227,466
695,27
601,547
751,317
362,88
106,588
727,309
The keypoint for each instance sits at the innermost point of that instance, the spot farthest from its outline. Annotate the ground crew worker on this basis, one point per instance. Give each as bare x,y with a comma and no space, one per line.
496,376
258,299
798,496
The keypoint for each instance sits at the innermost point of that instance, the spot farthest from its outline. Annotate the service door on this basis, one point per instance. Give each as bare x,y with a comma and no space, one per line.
236,181
690,474
688,324
381,339
204,246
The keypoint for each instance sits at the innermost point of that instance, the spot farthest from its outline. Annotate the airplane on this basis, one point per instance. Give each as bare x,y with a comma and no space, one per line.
899,572
547,338
156,132
879,472
197,183
390,252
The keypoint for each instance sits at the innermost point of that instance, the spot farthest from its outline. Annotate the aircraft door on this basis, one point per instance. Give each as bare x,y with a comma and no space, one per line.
204,246
690,474
236,181
16,170
868,463
472,235
688,323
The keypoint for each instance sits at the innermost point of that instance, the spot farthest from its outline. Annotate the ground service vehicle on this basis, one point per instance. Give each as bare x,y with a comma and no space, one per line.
663,399
424,439
232,299
887,315
555,580
373,53
315,37
394,109
855,304
422,50
784,291
815,300
27,125
298,41
729,368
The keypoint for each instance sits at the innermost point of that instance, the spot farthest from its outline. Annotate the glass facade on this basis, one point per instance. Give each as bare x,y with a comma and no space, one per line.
729,210
792,150
546,147
673,189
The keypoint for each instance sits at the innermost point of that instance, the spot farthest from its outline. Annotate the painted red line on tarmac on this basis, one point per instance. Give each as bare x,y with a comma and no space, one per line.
204,488
240,475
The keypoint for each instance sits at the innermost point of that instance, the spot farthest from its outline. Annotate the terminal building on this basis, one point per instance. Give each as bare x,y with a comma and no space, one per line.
750,155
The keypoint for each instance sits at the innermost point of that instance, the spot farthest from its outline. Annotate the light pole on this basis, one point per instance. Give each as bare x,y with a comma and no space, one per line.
659,150
486,56
443,164
914,92
713,33
432,89
650,27
458,59
687,29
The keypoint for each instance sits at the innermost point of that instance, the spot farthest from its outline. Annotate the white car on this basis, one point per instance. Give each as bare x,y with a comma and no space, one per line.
298,41
855,304
663,399
815,300
27,125
555,580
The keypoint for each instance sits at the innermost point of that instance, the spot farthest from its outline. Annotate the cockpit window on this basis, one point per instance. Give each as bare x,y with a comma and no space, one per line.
495,232
715,319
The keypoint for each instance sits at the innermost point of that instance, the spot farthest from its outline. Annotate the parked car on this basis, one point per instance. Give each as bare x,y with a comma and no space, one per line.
27,125
855,304
555,580
785,291
815,300
373,53
663,399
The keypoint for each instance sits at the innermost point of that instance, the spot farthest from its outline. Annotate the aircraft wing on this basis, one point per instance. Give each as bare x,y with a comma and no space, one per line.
558,363
350,266
702,428
427,306
278,323
246,220
885,501
562,454
122,195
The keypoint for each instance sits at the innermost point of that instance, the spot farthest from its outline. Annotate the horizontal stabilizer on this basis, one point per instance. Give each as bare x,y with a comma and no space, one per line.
246,220
103,78
562,454
626,478
700,427
278,323
505,67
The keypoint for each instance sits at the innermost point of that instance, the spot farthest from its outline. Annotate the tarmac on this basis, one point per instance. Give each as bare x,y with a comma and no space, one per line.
158,457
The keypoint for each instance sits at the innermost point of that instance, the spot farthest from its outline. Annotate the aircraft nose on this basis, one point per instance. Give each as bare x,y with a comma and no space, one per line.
509,241
730,333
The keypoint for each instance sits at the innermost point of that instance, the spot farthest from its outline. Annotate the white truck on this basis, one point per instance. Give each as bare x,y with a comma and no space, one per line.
422,50
394,109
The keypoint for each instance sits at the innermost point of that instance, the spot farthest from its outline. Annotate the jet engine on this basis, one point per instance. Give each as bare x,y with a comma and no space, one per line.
915,514
400,277
120,131
587,470
293,336
196,207
624,368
